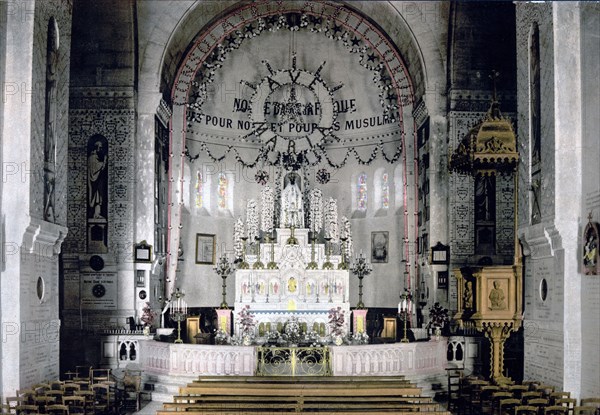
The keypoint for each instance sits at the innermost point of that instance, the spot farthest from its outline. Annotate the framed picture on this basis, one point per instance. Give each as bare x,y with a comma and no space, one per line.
142,252
205,248
440,254
380,246
591,255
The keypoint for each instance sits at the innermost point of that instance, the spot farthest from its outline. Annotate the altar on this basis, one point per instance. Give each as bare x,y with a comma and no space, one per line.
276,295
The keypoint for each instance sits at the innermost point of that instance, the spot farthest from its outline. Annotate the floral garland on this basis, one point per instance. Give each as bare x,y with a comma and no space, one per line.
391,97
346,232
331,221
316,210
267,196
251,220
238,233
147,315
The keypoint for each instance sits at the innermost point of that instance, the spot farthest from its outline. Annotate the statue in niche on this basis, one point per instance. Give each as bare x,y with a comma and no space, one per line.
292,285
292,207
468,296
97,178
52,44
497,297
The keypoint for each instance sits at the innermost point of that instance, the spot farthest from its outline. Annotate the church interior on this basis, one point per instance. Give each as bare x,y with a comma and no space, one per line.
227,207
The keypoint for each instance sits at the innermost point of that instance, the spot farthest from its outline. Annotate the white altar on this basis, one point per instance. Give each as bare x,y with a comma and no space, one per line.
275,295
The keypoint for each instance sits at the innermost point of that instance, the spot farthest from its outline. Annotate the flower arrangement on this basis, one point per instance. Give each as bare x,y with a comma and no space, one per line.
346,232
438,316
238,233
246,321
331,221
147,315
252,220
336,321
292,331
221,337
267,209
357,338
316,210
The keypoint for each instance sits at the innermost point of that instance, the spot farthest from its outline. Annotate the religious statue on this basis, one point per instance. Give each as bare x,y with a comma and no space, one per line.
292,206
292,284
468,296
497,297
97,162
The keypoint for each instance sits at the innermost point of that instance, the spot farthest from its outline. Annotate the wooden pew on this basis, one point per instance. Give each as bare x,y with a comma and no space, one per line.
304,390
277,412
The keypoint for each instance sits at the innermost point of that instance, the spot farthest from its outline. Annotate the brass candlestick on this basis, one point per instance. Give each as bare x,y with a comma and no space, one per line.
258,264
312,264
327,264
361,268
292,239
244,264
272,264
403,308
343,264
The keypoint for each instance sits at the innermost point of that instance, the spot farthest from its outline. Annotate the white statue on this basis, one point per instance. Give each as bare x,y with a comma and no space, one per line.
292,207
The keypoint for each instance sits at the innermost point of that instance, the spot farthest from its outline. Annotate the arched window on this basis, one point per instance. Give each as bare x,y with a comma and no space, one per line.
198,189
225,192
361,191
384,189
399,188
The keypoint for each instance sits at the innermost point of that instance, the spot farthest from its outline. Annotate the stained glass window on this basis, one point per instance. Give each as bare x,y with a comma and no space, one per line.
199,189
223,191
362,191
385,191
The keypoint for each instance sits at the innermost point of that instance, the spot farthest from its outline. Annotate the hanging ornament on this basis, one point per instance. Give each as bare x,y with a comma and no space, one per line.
261,177
323,176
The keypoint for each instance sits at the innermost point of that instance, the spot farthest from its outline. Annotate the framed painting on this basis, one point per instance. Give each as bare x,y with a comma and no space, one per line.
205,248
380,246
590,255
142,252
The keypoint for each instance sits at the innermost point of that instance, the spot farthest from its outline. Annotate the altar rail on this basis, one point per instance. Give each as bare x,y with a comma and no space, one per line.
418,358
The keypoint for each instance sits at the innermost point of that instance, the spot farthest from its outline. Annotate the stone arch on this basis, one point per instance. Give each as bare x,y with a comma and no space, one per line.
171,51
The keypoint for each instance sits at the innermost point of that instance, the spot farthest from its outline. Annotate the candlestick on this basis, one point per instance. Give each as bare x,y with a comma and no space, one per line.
258,264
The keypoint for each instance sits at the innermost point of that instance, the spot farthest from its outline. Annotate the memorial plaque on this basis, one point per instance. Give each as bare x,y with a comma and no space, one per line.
99,291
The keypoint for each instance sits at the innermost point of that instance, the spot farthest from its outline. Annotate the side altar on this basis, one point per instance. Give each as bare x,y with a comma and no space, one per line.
292,290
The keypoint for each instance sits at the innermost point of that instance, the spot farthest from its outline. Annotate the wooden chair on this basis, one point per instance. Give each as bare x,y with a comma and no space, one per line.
7,409
56,385
526,410
595,402
507,406
132,382
545,389
71,388
26,409
475,393
539,403
100,375
27,393
518,390
497,397
43,402
555,410
89,399
555,396
569,403
104,400
57,409
526,396
485,404
76,404
58,394
14,401
82,373
585,410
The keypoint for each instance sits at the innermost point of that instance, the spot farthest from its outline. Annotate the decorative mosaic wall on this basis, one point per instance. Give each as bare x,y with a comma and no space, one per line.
108,113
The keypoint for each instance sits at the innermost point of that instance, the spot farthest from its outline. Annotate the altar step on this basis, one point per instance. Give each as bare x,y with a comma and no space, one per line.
339,395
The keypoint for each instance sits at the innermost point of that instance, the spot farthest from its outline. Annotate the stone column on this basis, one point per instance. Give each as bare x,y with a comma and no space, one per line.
568,173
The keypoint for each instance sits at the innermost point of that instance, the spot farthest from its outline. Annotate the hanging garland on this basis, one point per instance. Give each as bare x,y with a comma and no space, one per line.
294,21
